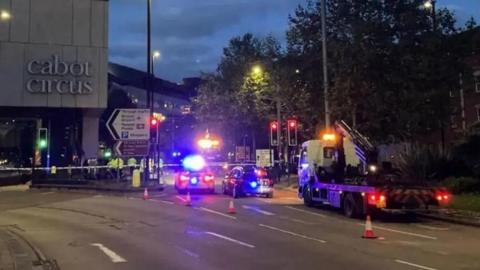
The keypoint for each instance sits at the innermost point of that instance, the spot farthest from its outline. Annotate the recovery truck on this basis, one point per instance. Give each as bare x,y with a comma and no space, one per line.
341,170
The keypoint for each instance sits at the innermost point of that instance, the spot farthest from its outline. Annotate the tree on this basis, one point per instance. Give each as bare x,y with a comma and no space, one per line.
390,72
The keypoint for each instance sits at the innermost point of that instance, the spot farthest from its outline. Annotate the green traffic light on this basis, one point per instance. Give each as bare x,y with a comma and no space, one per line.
42,144
107,154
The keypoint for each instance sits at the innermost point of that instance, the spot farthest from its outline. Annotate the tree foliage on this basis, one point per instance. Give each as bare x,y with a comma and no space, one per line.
390,68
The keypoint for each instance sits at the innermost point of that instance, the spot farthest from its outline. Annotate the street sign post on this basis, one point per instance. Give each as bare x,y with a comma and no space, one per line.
264,157
129,124
131,148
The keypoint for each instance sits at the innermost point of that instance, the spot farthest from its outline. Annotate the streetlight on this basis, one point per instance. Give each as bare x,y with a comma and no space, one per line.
430,5
257,70
155,55
5,15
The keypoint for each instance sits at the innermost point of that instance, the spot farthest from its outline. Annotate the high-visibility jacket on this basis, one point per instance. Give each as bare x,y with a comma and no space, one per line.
116,163
132,162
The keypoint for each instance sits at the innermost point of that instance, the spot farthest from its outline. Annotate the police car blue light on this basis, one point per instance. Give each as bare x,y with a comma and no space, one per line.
253,184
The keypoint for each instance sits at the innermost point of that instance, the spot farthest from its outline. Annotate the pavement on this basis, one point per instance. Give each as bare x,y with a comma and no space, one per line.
104,231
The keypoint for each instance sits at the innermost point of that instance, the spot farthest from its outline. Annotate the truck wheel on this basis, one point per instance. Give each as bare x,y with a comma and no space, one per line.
349,206
307,196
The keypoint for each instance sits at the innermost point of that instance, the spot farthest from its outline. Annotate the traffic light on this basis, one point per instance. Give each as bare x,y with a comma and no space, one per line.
42,140
274,133
154,123
292,131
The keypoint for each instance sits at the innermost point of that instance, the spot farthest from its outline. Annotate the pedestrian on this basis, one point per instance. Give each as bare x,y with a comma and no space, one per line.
132,163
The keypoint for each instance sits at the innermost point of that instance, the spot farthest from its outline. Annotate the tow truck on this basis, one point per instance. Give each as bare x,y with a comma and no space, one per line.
341,170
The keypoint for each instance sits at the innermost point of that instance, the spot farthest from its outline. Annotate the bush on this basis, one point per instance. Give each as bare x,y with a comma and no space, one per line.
422,164
459,185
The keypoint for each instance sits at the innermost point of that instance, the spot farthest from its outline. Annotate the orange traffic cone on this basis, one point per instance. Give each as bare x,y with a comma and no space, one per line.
368,233
188,202
145,194
231,208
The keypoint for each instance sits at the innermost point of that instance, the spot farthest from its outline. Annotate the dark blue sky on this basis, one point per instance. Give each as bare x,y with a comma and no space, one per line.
191,33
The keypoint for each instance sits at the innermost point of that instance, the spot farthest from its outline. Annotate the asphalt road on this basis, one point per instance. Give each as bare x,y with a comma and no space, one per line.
100,231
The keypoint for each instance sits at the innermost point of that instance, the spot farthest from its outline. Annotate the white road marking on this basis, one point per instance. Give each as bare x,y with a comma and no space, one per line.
432,227
258,210
292,233
110,253
415,265
46,193
214,212
181,198
162,201
231,239
98,196
305,211
402,232
188,252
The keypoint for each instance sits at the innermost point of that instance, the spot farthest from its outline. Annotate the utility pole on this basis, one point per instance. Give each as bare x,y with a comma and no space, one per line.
324,58
279,123
149,91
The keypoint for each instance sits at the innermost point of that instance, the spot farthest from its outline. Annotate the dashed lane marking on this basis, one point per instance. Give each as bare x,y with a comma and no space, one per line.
181,198
305,211
188,252
415,265
402,232
114,257
162,201
47,193
258,210
433,228
293,233
238,242
215,212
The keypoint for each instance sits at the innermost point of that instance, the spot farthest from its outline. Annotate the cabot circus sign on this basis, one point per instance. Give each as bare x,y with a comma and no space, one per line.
54,75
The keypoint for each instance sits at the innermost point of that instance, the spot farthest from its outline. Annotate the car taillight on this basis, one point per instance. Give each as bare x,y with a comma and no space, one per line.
208,178
184,177
443,197
377,199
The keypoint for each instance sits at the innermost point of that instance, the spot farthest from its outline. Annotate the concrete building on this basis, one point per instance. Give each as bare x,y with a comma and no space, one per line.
127,89
53,74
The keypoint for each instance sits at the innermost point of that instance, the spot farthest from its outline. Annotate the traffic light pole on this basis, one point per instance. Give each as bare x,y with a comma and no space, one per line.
149,104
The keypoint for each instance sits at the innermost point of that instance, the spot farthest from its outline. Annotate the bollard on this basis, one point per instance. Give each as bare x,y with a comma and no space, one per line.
136,178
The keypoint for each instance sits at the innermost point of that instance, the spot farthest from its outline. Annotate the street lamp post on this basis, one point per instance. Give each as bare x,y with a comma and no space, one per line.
324,60
149,91
431,4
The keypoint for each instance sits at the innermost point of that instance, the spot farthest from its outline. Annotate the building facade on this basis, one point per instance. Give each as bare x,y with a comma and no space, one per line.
53,74
127,89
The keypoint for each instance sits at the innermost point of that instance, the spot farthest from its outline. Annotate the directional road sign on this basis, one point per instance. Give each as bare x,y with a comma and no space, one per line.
129,124
131,148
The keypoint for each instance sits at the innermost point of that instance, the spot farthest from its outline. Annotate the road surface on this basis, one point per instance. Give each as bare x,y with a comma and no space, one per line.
101,231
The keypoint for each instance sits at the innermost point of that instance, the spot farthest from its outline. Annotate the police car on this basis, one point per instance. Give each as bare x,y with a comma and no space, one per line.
194,176
247,180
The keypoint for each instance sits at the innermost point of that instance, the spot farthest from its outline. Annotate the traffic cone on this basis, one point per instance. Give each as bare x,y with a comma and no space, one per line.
145,194
188,202
231,208
368,233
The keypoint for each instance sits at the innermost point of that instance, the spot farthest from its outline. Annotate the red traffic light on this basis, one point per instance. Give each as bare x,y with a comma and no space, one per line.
273,125
292,123
153,122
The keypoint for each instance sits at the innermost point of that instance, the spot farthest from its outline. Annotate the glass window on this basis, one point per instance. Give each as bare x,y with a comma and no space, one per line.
328,152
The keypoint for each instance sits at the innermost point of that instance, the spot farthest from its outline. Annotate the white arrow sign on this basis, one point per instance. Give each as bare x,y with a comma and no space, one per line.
129,124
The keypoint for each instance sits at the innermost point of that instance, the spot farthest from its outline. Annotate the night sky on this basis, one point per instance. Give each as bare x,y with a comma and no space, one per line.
192,33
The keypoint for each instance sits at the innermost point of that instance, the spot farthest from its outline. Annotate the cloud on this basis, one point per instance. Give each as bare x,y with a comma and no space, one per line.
190,33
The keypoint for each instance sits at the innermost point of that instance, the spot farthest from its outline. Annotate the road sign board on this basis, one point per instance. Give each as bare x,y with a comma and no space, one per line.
129,124
264,158
131,148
